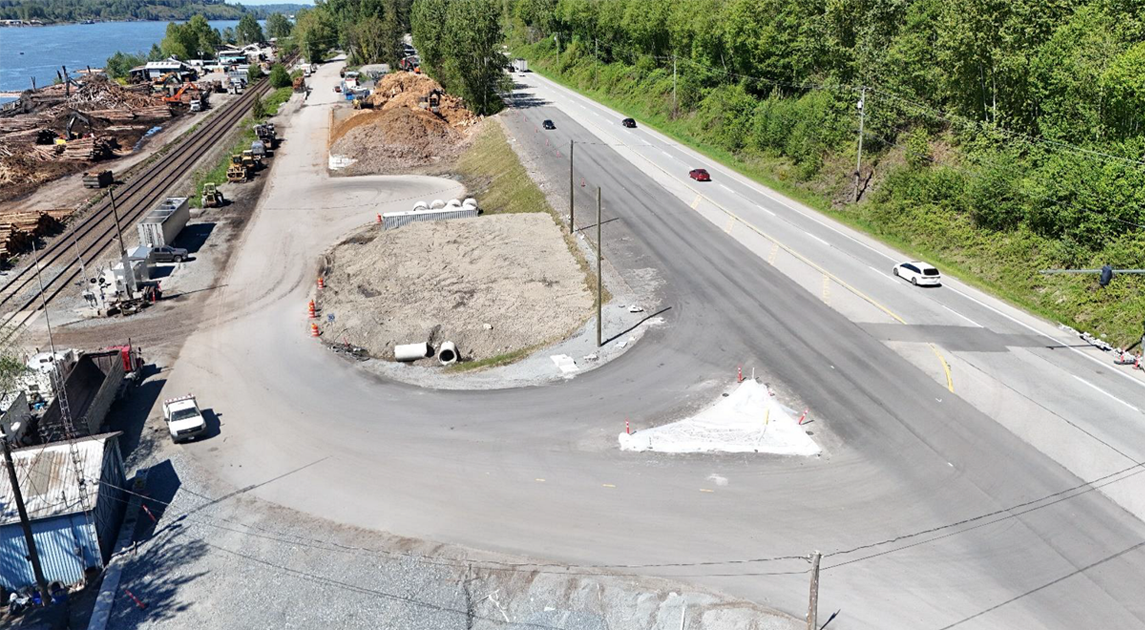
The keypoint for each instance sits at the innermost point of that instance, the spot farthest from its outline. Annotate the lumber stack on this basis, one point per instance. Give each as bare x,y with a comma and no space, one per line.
13,240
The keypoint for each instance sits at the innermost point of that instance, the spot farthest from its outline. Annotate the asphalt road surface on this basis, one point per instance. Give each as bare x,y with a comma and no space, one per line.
536,470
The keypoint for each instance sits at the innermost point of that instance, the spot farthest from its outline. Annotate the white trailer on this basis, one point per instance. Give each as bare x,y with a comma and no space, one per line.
520,65
160,226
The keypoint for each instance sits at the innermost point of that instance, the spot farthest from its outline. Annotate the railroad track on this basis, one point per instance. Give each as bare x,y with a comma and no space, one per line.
59,261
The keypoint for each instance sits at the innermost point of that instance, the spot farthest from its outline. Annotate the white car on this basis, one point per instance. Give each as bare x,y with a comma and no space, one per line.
918,273
184,420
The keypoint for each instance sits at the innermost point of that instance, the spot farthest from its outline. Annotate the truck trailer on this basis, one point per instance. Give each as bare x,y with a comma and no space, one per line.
161,225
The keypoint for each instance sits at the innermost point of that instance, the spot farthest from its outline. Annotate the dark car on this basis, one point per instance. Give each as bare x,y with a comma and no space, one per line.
166,253
548,124
699,175
628,122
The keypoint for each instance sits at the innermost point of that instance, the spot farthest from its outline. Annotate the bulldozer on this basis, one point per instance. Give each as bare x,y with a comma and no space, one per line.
212,196
249,162
237,171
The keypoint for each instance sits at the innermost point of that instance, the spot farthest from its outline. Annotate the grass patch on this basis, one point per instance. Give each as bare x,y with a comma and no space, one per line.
494,361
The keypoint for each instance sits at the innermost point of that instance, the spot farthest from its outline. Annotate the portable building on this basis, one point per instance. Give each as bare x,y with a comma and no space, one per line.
74,526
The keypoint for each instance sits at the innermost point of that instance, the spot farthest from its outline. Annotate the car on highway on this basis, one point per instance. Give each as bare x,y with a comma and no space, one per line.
918,273
700,175
166,253
548,124
628,122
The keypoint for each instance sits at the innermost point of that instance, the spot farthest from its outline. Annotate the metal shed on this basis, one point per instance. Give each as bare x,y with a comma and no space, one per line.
69,538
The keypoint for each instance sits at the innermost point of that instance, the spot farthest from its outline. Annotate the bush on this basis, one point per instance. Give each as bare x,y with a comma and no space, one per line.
279,77
258,110
254,72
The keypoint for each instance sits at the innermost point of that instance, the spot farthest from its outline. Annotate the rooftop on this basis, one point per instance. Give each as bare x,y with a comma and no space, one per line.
49,481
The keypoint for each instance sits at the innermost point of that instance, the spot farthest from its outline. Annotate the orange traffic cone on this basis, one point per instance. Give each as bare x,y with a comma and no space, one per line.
739,374
314,330
310,311
321,282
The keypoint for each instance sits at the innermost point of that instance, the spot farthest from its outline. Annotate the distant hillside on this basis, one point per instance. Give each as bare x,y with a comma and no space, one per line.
80,10
286,8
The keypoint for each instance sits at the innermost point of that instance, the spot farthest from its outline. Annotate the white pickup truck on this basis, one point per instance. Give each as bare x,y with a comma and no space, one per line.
184,420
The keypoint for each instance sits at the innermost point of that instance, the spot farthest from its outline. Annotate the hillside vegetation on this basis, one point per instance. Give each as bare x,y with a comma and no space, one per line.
79,10
1000,137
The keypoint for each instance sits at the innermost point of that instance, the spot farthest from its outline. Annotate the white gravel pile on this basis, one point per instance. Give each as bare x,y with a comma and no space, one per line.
492,285
748,420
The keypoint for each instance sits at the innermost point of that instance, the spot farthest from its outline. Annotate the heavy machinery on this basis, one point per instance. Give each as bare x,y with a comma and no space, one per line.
299,84
69,130
431,101
212,196
267,134
237,171
249,162
258,150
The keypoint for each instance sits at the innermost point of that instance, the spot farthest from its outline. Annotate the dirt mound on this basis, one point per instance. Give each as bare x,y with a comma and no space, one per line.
401,131
492,285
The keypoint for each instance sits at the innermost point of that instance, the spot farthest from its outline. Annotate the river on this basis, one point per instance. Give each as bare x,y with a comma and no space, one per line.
39,51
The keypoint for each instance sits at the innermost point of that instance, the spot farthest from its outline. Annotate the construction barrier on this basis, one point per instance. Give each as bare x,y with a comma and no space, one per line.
321,282
311,311
314,330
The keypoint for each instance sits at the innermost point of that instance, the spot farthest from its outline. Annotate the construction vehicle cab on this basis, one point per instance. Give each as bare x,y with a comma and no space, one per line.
212,196
237,171
248,160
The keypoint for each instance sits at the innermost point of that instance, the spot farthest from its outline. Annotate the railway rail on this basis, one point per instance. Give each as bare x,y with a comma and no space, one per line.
59,261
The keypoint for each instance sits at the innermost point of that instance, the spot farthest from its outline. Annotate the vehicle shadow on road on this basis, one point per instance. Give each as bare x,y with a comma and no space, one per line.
129,415
214,424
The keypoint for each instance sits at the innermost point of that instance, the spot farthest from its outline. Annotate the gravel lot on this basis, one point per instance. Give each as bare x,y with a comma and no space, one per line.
492,285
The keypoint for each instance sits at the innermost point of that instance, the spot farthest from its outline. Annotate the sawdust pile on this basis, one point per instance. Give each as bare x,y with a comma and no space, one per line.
492,285
401,133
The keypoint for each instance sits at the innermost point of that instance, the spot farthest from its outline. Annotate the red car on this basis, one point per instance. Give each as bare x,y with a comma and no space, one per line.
699,175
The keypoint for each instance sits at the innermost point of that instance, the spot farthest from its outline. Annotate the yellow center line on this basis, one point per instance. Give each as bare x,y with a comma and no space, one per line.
696,201
608,485
826,289
539,479
774,251
706,490
730,225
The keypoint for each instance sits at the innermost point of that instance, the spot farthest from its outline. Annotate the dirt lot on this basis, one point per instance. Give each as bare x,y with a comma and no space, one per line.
493,285
397,134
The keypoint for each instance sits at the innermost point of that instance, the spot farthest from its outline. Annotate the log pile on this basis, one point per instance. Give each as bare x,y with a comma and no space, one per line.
13,240
89,149
20,228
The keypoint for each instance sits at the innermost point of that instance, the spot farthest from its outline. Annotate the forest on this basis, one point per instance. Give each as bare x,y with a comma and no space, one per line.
999,138
108,10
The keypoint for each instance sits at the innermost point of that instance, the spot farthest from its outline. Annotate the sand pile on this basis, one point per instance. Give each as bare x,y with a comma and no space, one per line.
398,134
492,285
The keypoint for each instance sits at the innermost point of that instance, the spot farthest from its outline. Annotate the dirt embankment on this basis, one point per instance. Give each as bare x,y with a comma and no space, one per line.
402,131
493,285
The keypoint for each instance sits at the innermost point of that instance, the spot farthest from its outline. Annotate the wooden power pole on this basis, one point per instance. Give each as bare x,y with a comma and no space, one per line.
599,277
572,189
813,604
25,524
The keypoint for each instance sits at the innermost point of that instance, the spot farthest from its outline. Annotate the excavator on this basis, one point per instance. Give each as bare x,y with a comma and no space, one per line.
76,116
237,171
190,90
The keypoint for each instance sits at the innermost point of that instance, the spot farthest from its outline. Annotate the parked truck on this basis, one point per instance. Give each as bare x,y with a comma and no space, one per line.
98,179
520,65
92,385
184,420
160,226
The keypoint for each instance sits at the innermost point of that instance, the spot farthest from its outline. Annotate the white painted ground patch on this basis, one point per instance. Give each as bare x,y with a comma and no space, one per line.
748,420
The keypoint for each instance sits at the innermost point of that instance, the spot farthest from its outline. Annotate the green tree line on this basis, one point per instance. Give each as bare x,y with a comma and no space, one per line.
79,10
370,31
1000,136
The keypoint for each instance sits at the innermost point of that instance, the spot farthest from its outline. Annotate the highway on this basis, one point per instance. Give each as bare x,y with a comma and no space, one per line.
932,513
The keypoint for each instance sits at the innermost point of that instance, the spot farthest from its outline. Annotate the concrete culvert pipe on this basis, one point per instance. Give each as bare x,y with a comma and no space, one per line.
421,205
447,353
469,202
437,204
411,351
454,203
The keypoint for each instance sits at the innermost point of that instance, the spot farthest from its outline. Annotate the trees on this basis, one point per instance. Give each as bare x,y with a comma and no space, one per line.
194,39
315,32
279,77
278,26
120,64
248,30
459,44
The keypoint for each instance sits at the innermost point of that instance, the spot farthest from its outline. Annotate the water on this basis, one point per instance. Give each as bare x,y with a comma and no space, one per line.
39,51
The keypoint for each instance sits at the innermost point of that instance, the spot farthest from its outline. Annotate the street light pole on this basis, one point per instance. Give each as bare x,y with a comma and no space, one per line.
572,189
128,273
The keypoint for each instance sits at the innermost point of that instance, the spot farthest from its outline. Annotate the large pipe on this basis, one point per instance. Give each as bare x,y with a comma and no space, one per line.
447,353
437,203
469,202
421,205
411,351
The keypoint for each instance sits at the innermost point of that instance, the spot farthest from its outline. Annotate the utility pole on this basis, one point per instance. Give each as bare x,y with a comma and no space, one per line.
599,277
572,189
859,159
813,605
673,85
25,524
128,273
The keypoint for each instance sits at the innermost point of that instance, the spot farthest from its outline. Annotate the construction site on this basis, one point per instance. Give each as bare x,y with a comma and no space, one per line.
407,124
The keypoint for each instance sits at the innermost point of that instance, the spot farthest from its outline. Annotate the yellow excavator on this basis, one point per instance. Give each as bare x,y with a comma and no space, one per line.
237,171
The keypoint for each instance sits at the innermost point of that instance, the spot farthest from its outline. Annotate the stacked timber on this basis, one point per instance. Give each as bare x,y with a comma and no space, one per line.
88,149
115,115
60,215
154,112
36,222
13,240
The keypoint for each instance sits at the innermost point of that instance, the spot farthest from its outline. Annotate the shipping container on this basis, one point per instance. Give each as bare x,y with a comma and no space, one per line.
161,225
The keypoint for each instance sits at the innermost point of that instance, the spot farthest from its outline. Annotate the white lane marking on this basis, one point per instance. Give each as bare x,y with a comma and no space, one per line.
726,188
1053,339
818,239
881,273
976,324
1107,394
766,210
667,154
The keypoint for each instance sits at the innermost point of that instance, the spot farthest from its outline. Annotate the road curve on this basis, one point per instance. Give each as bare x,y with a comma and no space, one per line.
535,470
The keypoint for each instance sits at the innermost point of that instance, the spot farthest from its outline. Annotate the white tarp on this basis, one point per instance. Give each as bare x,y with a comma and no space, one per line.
748,420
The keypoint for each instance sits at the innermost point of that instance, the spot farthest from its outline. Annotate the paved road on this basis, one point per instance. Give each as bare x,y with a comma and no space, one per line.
535,470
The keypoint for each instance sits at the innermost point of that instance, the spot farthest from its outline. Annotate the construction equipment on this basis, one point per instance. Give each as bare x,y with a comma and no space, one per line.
98,179
212,196
249,162
76,117
267,134
431,101
299,84
258,150
237,171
